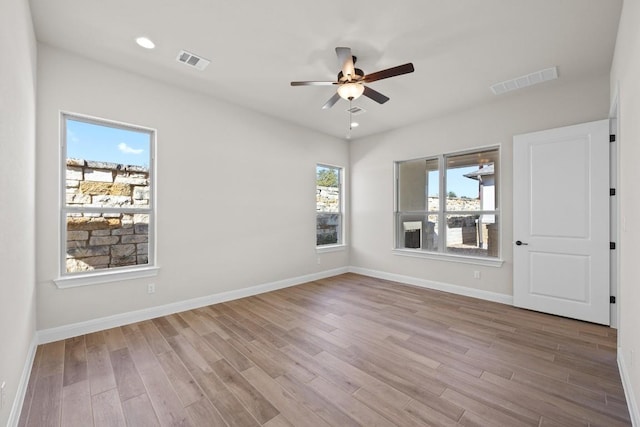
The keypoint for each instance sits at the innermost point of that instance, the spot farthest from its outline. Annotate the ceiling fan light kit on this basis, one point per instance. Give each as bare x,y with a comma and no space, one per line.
350,91
351,80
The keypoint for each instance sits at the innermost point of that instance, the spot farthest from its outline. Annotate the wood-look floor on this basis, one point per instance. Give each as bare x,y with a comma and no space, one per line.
345,351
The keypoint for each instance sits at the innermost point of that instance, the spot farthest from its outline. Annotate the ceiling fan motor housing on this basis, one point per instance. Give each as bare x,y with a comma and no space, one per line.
359,75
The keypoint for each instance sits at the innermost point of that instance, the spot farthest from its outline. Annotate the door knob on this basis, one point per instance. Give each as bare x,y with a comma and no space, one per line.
519,243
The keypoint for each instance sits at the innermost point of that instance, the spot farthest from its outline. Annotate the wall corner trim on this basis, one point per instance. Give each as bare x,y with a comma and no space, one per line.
94,325
439,286
632,404
18,401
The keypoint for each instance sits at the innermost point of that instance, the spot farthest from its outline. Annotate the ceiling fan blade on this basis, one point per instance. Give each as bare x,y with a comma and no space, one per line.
389,72
331,102
346,60
375,95
313,83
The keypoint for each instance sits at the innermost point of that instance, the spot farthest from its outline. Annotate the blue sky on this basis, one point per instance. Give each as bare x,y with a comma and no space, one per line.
456,182
89,141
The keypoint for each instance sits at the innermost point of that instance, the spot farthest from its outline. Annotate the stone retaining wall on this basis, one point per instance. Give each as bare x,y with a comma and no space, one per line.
106,240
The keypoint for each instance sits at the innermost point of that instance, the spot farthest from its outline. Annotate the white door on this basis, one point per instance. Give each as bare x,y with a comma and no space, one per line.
561,221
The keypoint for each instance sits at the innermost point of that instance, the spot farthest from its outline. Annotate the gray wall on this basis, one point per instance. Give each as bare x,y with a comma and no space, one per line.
17,194
246,218
625,79
546,106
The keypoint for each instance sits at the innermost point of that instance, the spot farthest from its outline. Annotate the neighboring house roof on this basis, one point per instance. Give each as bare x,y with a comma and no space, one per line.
484,171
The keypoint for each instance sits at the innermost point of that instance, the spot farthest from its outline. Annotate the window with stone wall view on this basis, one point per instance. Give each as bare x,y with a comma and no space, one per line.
108,206
328,205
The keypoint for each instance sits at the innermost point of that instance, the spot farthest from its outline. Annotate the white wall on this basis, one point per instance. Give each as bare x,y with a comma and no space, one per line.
17,194
248,219
540,107
625,77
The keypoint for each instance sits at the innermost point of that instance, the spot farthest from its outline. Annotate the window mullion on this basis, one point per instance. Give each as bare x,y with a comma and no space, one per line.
442,242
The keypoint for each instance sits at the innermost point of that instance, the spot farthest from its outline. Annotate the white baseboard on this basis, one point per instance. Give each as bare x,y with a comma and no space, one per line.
430,284
18,401
634,412
94,325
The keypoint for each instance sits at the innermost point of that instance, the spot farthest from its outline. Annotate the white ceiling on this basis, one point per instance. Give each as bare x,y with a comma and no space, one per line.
458,47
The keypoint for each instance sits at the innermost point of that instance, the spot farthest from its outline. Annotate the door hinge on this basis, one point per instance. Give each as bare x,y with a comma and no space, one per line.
612,300
612,138
612,191
612,245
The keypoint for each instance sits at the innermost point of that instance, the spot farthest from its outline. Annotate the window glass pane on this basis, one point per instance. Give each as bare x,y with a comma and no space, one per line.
328,228
418,185
418,232
472,235
471,181
328,205
106,240
106,166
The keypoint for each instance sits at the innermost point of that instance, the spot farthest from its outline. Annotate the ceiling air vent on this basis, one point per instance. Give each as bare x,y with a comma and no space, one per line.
356,110
524,81
192,60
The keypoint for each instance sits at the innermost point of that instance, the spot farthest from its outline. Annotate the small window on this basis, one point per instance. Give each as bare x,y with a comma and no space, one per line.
329,216
448,204
107,189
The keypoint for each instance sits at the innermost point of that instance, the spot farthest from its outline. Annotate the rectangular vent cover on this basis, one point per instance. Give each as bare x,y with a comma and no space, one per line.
192,60
356,110
524,81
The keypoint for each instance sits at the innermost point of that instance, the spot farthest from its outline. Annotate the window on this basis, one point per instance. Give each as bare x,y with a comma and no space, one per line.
329,218
448,204
107,189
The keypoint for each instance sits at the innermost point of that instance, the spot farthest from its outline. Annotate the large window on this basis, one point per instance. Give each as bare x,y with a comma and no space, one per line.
107,196
329,217
448,204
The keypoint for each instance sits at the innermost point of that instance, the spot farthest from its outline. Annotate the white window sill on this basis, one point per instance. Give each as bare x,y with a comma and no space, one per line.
330,248
489,262
95,278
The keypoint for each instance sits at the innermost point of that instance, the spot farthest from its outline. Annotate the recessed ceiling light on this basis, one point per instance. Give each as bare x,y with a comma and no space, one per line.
355,124
145,43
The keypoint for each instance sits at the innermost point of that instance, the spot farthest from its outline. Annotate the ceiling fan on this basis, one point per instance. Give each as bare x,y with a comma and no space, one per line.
351,80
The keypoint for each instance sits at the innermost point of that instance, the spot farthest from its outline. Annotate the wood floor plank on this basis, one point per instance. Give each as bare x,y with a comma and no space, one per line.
230,353
347,350
52,359
166,404
251,398
76,404
138,411
107,409
492,415
99,369
278,421
284,401
306,396
124,371
183,383
114,339
47,402
202,413
153,336
349,404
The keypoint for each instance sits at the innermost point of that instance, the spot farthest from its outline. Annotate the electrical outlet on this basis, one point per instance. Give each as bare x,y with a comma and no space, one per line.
2,394
476,274
151,288
318,258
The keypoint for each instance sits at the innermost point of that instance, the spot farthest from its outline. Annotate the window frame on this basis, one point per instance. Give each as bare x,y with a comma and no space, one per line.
66,279
341,244
442,212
